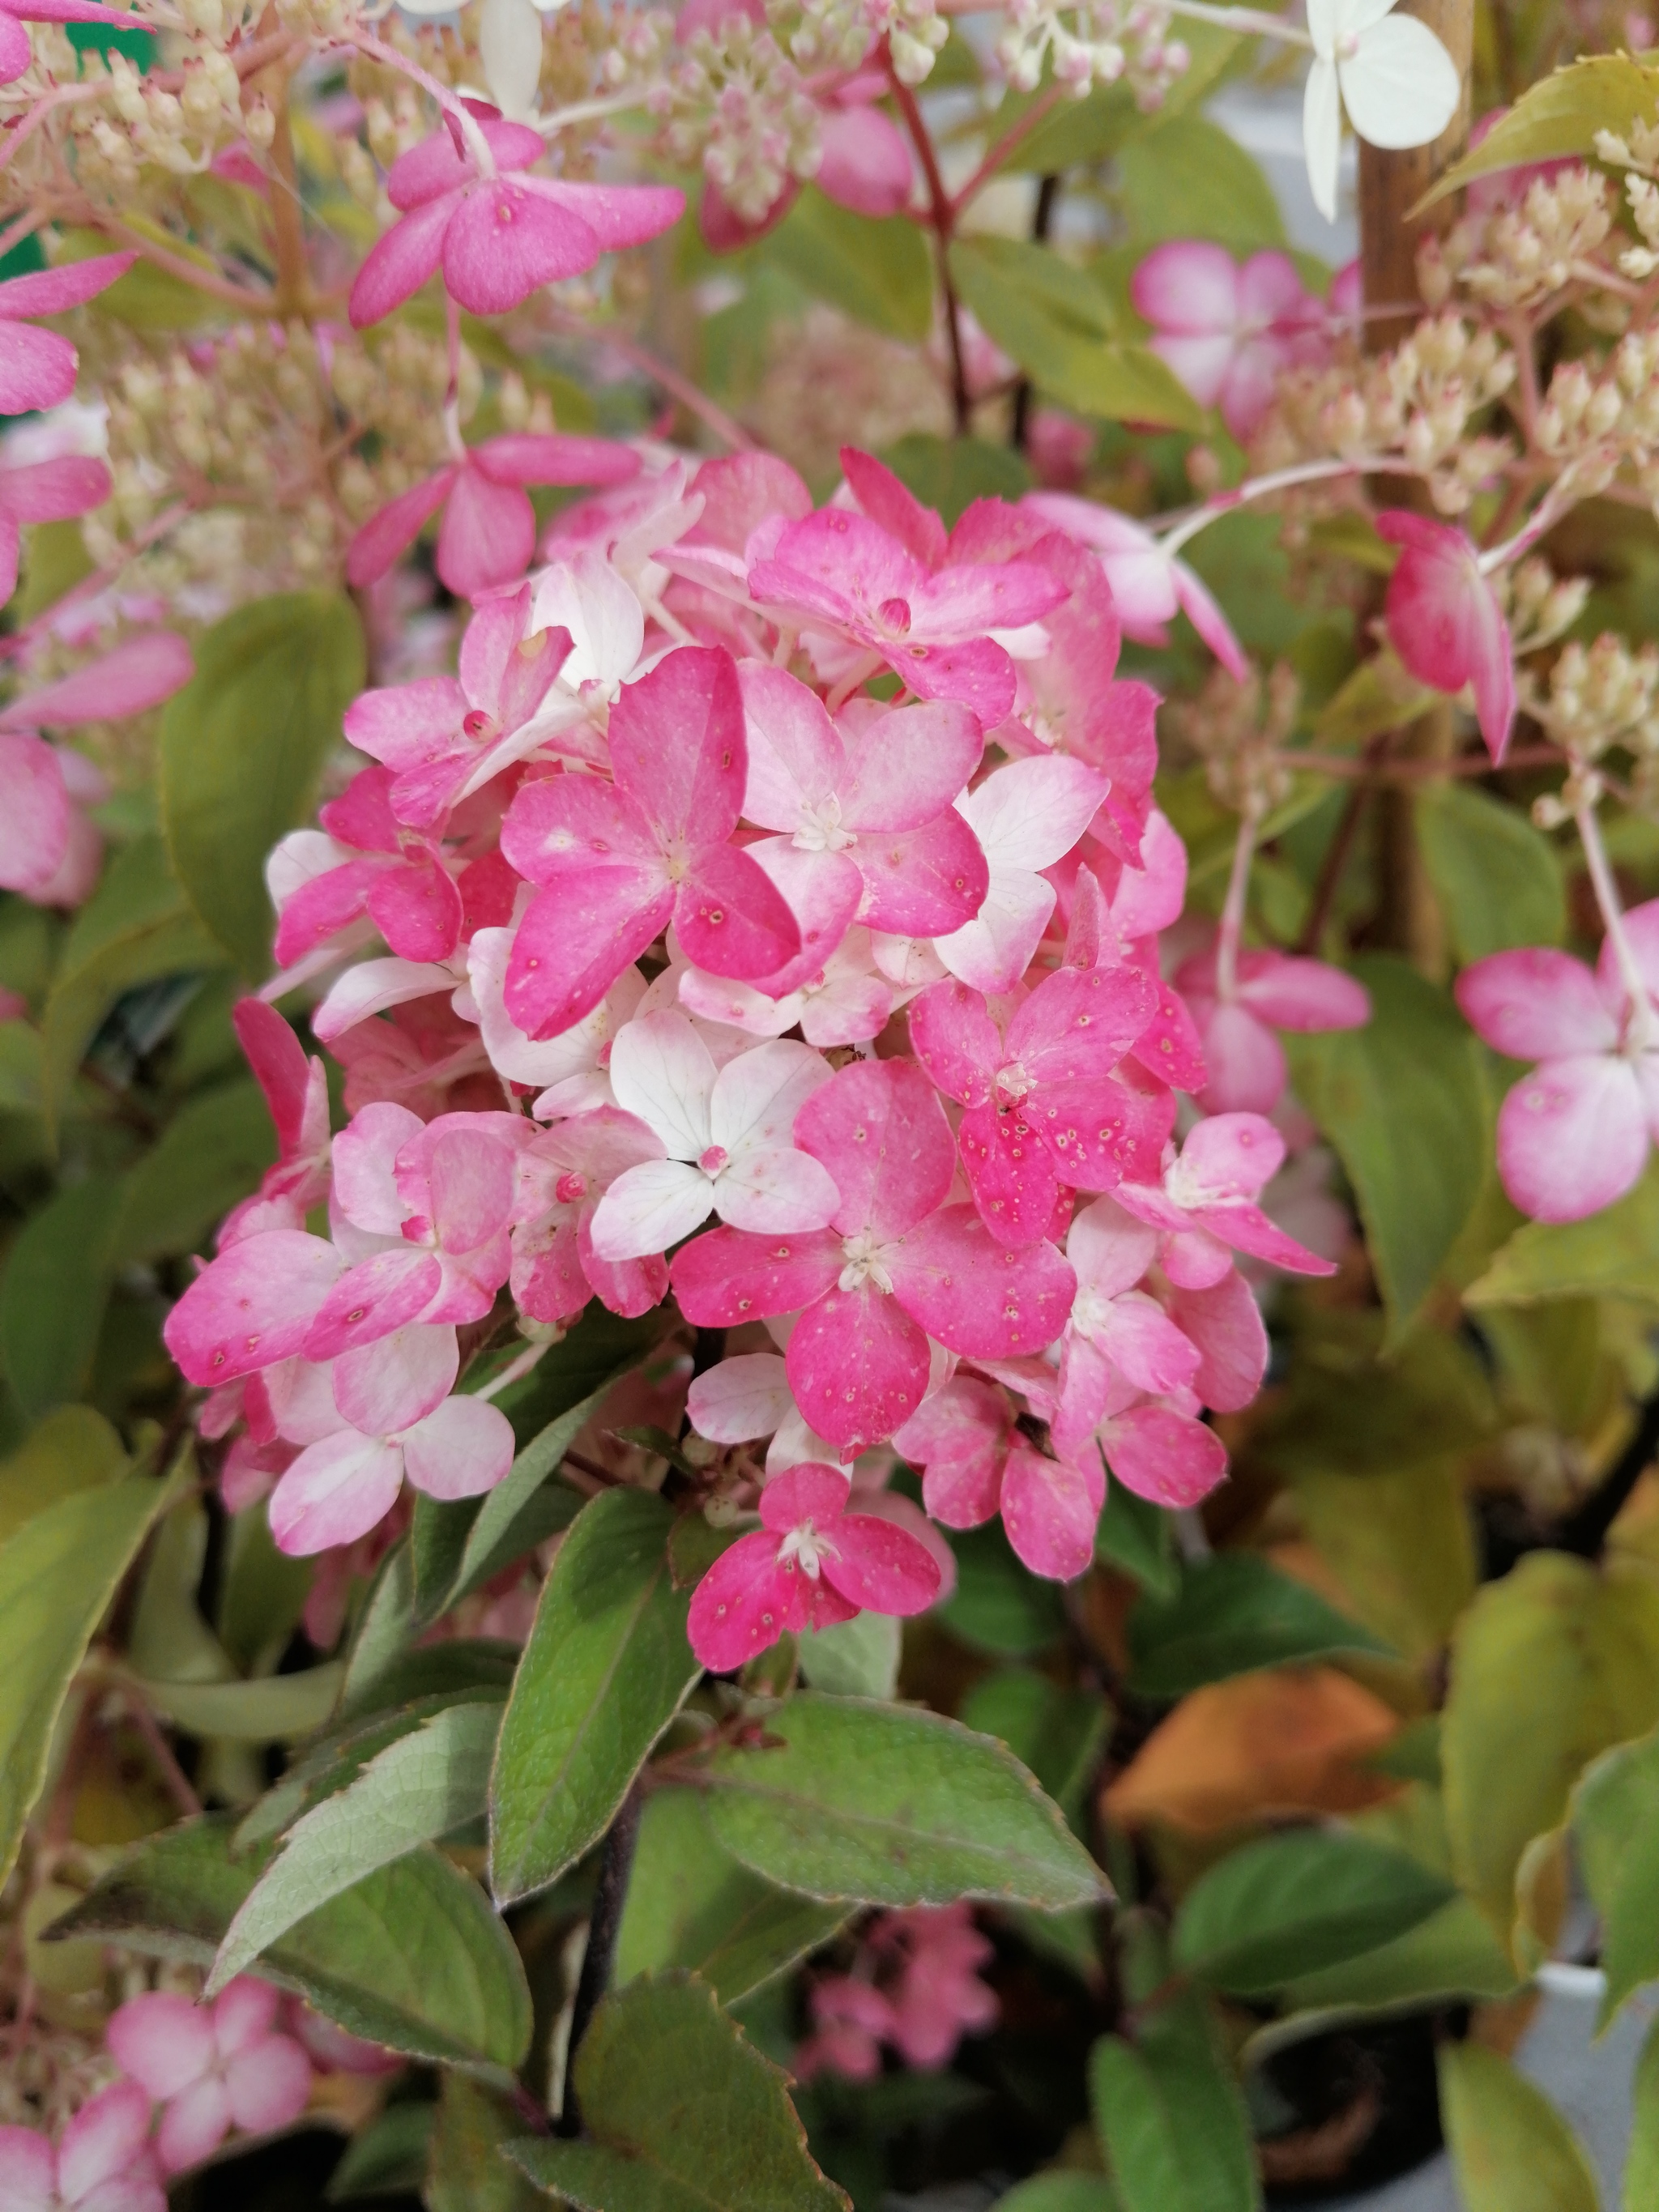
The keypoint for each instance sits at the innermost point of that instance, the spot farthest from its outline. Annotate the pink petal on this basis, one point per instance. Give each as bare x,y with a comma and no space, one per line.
439,164
731,919
743,1604
867,163
506,240
1245,1061
740,1399
463,1448
1050,1509
417,908
28,2171
470,1177
386,1385
526,456
577,937
1202,363
269,2084
1536,1004
974,1294
1010,1172
34,819
1445,621
243,2013
1187,286
1246,1228
961,604
1149,897
390,533
107,2135
728,1276
774,1190
808,1491
487,535
823,892
162,2040
565,824
976,672
678,744
52,491
279,1064
137,675
879,1567
400,261
1573,1137
880,1130
922,882
881,496
1109,1249
37,368
904,767
253,1306
953,1036
795,755
1079,1023
652,1206
336,1491
1201,609
858,1366
1224,1322
370,1300
959,1437
1102,1132
1229,1156
54,291
617,214
193,2125
1163,1455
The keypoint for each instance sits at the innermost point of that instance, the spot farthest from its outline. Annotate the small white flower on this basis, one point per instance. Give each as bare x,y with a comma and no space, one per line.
1398,83
510,48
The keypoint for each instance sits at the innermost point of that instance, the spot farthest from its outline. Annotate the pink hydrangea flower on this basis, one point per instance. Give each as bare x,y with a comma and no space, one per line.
977,1464
1026,817
897,1265
1150,586
102,2163
400,883
1445,621
37,368
346,1483
1229,329
928,1996
211,2067
810,1565
44,491
1207,1205
1573,1136
615,863
497,238
487,535
563,1175
1271,991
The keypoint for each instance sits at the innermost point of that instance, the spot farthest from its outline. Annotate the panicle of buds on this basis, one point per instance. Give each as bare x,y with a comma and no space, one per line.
736,105
1096,42
1240,731
1518,256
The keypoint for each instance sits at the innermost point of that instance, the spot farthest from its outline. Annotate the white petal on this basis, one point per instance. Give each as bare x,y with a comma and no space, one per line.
758,1095
738,1006
373,986
584,594
1402,87
740,1399
462,1449
510,47
1031,813
511,1053
993,951
776,1193
662,1070
649,1208
1322,135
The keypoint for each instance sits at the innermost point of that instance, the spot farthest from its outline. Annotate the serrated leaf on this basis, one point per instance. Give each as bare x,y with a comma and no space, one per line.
423,1784
691,1904
1614,1254
412,1957
682,2113
242,749
1512,2149
1170,2118
58,1573
1560,118
1615,1819
1289,1904
606,1668
844,1799
1403,1102
1233,1614
876,269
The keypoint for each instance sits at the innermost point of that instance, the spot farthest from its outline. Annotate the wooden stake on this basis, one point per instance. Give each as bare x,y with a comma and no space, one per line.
1391,184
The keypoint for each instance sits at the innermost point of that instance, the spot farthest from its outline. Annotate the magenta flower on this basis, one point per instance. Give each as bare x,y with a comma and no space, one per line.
400,883
1041,1107
616,862
937,1996
211,2067
1116,1329
45,491
1445,621
1271,990
498,238
487,535
896,1265
1150,586
1207,1203
37,368
102,2163
1228,330
976,1464
1573,1136
809,1564
444,737
563,1173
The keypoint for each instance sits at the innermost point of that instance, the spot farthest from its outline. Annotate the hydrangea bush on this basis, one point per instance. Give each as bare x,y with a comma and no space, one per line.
831,955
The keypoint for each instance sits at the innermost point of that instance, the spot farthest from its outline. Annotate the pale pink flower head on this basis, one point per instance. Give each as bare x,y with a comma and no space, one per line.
1445,621
865,163
346,1483
399,881
897,1265
487,535
1574,1134
1150,586
37,368
1207,1203
1229,329
103,2162
616,862
563,1176
211,2067
937,1996
497,238
1271,990
809,1564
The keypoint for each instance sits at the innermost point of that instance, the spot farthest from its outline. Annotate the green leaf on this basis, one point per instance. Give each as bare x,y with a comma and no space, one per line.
1560,117
383,1634
1060,2189
58,1573
1510,2149
891,1805
1188,178
878,271
388,2158
21,1068
1641,2161
1402,1545
467,2169
1403,1102
242,751
682,2112
1058,325
1378,696
1551,1665
331,1763
949,474
1138,1536
412,1957
691,1904
274,1709
1497,879
854,1659
53,1293
999,1605
416,1790
72,1449
1233,1614
1170,2118
606,1668
1290,1904
1615,1254
264,1593
212,1153
1057,1732
1452,1953
1616,1819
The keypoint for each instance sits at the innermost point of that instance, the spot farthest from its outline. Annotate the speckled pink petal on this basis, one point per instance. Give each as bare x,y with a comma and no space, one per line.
253,1306
976,1295
1050,1509
1573,1137
1162,1455
858,1366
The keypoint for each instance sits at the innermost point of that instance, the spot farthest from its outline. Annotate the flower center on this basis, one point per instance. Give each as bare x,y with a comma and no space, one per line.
862,1254
1346,45
805,1545
570,1188
480,728
712,1161
894,616
820,829
1013,1083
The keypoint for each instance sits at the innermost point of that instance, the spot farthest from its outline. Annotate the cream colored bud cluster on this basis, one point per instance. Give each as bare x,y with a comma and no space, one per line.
736,104
1517,256
915,33
1601,414
1638,154
1541,605
140,124
1095,42
638,48
831,34
393,385
396,116
1599,696
1240,731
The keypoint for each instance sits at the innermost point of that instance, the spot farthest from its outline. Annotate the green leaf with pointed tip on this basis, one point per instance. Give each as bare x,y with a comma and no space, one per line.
1170,2118
422,1785
1403,1103
273,1708
412,1957
1233,1614
1289,1904
1615,1254
212,1152
1615,1819
58,1573
681,2114
691,1904
845,1800
1560,118
1510,2148
242,751
876,268
1497,879
606,1668
1452,1953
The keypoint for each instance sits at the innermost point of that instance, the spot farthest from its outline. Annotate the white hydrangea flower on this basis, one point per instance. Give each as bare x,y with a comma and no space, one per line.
1400,85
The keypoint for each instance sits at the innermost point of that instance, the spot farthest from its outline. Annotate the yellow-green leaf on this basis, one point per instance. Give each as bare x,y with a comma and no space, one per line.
1511,2147
1561,117
1615,1254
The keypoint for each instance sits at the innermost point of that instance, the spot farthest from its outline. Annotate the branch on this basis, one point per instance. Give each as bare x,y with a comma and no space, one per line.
944,221
604,1926
1583,1533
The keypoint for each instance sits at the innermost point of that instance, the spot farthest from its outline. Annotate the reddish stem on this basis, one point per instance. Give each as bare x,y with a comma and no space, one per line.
943,216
